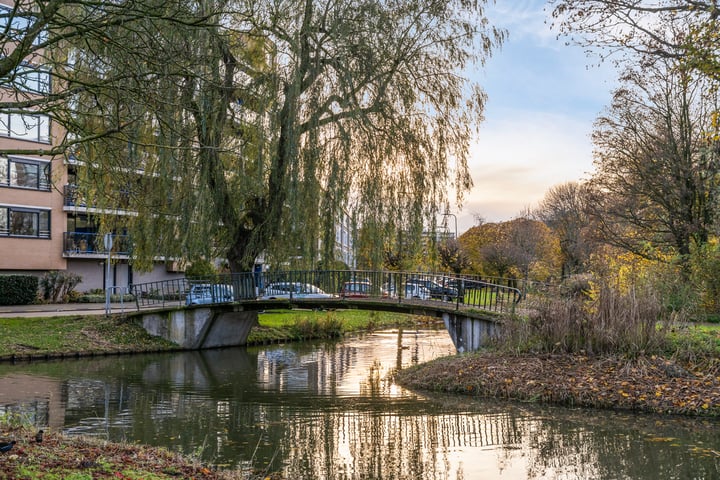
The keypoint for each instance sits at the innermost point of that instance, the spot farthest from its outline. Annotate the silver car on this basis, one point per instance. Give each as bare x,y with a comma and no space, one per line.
205,293
297,290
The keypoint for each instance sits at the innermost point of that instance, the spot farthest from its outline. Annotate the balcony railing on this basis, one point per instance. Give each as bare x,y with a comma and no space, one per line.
75,198
82,243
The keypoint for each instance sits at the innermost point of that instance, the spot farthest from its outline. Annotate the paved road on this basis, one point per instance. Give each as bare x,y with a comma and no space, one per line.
62,309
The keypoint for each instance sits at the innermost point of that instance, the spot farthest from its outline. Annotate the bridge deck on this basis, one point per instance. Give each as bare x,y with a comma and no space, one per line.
369,290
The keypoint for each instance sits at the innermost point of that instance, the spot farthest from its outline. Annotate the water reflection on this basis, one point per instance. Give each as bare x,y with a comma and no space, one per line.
330,410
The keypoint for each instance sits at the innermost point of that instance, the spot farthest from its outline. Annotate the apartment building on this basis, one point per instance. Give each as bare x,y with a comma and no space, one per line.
45,223
32,220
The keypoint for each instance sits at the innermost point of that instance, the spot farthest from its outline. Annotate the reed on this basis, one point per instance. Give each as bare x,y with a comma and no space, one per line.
630,322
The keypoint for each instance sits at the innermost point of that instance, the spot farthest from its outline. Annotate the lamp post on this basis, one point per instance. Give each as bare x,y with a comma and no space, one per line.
448,214
108,241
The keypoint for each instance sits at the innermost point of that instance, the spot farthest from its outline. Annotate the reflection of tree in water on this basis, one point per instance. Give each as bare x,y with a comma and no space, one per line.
285,412
391,444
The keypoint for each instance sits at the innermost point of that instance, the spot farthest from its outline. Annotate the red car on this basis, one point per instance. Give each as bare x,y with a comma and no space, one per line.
355,290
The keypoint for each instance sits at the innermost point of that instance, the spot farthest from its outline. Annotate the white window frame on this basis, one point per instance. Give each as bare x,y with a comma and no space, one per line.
26,126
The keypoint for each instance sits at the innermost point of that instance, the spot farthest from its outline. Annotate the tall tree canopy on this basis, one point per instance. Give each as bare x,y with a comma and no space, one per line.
657,162
679,29
239,127
519,248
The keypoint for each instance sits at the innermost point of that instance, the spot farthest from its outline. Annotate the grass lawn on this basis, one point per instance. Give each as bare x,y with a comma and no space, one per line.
288,325
67,335
700,339
70,334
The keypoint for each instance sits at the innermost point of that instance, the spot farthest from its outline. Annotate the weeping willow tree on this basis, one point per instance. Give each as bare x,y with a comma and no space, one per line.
255,127
54,52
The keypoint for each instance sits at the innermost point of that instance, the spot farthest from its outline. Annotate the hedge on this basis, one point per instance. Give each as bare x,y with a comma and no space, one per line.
18,289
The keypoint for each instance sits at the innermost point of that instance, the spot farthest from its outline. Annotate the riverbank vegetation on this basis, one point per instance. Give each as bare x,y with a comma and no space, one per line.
67,336
80,458
615,346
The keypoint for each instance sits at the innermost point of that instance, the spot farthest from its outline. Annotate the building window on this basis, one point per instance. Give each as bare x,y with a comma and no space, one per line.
18,25
24,173
28,78
35,128
24,222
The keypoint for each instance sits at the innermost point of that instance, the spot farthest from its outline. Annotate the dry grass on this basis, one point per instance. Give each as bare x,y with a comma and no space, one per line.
628,323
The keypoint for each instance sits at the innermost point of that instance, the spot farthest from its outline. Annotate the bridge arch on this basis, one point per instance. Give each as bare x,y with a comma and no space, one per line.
220,311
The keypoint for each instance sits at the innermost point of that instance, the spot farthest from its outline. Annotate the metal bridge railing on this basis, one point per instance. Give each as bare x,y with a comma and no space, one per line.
458,291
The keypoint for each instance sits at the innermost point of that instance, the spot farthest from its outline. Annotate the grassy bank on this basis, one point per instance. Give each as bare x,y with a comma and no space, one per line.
294,325
60,457
67,336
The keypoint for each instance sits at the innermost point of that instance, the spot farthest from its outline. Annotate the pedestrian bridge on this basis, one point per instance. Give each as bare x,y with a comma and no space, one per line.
220,311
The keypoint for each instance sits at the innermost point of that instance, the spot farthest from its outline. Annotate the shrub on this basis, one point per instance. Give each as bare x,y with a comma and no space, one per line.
56,285
200,269
18,289
577,286
325,327
614,322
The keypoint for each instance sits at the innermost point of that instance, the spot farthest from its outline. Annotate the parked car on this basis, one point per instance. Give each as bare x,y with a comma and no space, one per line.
413,290
443,292
295,289
468,283
204,293
355,290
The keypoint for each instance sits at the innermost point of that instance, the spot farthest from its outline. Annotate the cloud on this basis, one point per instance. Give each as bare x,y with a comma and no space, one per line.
543,98
521,154
526,20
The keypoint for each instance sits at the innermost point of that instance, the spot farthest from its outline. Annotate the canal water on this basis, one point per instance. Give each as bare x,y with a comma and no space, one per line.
332,411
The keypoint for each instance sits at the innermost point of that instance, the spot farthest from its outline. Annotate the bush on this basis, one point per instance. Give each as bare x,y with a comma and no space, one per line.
614,322
56,285
200,269
325,327
577,286
100,298
18,289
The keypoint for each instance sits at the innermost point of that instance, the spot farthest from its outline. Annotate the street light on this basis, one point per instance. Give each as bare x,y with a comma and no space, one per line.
448,214
108,243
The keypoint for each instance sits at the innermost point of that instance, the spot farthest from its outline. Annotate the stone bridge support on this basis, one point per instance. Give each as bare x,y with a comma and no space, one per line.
201,327
470,334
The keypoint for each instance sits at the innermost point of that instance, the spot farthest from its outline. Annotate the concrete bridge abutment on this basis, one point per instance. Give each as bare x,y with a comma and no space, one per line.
470,334
201,327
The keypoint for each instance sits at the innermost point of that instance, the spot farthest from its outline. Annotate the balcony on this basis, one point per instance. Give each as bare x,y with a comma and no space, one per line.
92,244
72,197
75,198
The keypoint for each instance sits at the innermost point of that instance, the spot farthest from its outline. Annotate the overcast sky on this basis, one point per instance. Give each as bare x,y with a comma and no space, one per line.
543,99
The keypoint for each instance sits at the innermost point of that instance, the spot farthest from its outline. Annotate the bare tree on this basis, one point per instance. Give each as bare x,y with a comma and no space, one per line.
654,190
677,29
563,209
